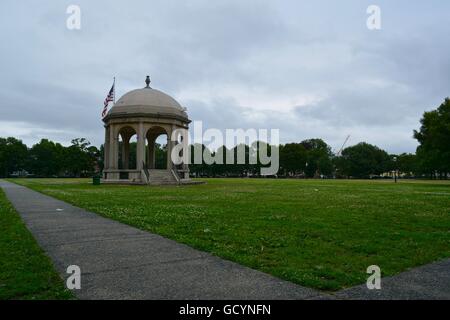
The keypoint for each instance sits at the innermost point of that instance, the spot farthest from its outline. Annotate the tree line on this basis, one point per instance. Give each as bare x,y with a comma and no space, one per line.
48,158
310,158
313,158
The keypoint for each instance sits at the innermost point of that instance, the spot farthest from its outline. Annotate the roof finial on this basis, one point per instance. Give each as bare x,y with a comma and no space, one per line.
147,81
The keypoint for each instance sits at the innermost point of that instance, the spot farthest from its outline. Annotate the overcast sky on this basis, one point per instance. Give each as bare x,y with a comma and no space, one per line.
310,68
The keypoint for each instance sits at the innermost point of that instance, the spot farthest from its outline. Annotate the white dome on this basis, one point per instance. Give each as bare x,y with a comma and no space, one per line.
147,102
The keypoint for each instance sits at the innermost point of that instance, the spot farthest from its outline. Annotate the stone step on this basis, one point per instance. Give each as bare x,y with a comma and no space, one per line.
161,177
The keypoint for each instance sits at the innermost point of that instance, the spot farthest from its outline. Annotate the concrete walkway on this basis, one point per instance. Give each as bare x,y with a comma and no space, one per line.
121,262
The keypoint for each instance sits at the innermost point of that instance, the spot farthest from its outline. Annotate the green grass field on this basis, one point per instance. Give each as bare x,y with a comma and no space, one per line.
317,233
25,271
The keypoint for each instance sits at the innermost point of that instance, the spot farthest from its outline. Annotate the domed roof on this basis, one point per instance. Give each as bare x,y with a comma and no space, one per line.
147,102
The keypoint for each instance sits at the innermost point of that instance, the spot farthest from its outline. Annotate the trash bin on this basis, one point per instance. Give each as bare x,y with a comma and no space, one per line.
96,180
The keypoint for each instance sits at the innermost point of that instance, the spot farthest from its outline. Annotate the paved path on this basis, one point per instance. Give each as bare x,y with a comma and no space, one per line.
121,262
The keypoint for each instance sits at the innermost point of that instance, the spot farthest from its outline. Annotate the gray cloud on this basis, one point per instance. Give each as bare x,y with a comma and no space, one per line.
310,68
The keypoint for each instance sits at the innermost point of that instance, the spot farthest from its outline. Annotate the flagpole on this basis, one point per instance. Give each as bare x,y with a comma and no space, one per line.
114,84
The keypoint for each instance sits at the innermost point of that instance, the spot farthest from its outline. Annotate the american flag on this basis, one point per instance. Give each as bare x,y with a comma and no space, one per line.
109,98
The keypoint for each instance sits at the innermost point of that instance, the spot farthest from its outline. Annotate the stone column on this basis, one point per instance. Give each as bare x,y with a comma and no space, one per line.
106,149
151,151
140,148
126,151
113,148
169,149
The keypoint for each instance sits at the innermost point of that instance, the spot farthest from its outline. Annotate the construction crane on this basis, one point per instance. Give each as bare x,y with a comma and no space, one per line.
343,145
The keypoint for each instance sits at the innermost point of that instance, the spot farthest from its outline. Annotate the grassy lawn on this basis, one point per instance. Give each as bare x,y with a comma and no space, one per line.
25,271
317,233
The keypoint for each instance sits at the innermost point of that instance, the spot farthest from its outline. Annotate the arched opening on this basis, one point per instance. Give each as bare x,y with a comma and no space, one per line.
127,149
156,148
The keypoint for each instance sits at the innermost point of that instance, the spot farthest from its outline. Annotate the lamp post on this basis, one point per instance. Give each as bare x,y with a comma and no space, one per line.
395,169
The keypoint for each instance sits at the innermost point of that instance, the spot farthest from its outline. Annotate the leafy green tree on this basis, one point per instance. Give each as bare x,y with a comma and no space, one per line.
293,158
434,138
46,158
363,160
80,159
101,158
96,158
407,163
319,158
160,156
13,156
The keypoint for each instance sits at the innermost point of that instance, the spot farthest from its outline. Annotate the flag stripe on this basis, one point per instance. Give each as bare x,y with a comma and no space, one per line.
109,98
